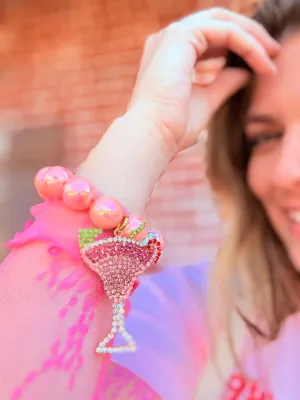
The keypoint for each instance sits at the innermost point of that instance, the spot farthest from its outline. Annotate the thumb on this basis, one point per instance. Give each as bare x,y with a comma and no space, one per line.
226,84
209,98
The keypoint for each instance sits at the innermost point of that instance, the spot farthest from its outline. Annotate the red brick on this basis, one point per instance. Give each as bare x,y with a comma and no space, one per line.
115,85
117,71
64,92
111,112
123,43
80,116
138,5
84,89
121,57
10,99
113,6
113,99
81,103
87,76
88,129
120,18
121,30
70,78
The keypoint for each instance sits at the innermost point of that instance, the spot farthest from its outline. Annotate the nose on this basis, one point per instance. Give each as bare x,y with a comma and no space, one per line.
287,170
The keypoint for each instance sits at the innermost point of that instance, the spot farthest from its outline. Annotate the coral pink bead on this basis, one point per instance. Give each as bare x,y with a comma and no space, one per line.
39,181
94,191
106,212
133,224
69,173
78,194
54,181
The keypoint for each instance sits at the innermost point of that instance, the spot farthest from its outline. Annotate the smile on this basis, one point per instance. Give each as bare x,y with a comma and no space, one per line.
294,216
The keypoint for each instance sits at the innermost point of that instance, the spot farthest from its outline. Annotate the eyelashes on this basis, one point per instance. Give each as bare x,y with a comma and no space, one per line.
262,139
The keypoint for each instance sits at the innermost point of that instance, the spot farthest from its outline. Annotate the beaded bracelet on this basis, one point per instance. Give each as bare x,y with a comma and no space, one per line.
119,259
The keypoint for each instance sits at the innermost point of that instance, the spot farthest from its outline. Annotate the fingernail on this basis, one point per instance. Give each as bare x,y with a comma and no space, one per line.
269,69
273,68
276,44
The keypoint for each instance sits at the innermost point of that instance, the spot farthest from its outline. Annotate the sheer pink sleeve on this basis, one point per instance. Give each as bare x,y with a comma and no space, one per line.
169,320
53,314
122,384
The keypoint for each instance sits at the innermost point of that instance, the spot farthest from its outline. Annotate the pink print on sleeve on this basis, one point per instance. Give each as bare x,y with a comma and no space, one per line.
64,273
66,355
240,388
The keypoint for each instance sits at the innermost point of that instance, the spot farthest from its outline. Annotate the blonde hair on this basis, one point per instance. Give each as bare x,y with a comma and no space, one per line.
254,284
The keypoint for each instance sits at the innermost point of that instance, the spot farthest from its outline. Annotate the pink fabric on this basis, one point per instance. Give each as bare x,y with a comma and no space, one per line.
275,366
53,224
53,313
122,384
168,319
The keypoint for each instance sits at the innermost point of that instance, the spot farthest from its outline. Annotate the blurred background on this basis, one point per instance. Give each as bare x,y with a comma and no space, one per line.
66,71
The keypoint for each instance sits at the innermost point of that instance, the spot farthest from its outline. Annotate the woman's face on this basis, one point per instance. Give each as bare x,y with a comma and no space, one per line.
273,129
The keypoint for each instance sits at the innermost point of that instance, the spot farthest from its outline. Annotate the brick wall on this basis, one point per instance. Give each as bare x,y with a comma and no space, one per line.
73,64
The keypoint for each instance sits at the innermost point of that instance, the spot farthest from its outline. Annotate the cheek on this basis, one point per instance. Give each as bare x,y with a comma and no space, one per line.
259,177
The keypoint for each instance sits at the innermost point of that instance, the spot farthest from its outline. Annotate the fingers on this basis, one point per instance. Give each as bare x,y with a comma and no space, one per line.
212,33
223,29
214,52
206,71
224,86
170,57
209,98
252,27
150,48
229,35
210,65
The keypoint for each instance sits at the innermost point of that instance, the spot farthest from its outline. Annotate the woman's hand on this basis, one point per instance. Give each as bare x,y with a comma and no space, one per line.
166,90
168,109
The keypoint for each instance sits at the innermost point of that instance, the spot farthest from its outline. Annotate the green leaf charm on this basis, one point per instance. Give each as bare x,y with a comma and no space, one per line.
86,236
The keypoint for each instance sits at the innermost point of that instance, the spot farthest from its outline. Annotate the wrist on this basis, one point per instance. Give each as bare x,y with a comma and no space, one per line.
128,160
145,115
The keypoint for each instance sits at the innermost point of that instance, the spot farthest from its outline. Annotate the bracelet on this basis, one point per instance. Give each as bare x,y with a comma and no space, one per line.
130,248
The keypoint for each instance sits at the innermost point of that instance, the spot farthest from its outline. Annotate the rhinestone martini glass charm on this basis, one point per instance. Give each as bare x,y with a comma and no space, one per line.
119,261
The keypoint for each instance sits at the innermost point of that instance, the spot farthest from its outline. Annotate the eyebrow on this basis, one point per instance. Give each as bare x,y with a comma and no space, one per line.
260,118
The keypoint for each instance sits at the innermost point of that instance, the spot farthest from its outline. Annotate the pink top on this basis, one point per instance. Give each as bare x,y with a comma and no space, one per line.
168,318
54,313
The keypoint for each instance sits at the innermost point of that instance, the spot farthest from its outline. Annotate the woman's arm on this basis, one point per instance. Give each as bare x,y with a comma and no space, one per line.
49,326
129,159
53,309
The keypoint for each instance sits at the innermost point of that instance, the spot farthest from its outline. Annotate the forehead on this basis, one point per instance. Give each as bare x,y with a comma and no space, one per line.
280,94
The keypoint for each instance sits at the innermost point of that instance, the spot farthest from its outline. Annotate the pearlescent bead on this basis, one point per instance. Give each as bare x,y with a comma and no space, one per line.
106,212
78,194
70,173
54,180
94,191
134,223
39,181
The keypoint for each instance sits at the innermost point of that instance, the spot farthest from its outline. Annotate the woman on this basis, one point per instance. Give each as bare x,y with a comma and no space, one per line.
53,323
